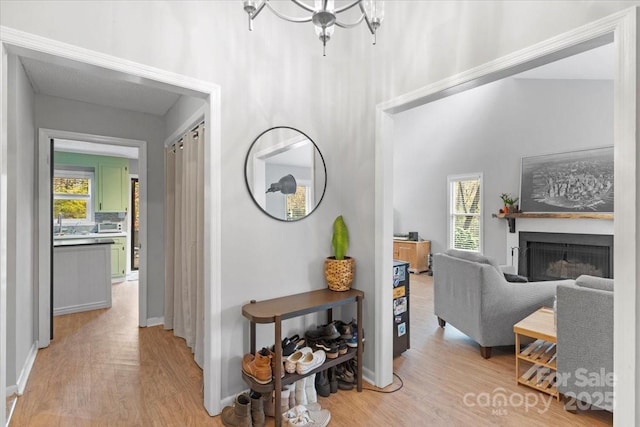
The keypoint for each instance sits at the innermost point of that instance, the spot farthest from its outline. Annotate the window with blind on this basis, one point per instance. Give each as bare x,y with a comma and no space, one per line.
72,195
465,212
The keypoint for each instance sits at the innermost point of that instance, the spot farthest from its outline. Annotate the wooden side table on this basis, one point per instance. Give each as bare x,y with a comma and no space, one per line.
536,364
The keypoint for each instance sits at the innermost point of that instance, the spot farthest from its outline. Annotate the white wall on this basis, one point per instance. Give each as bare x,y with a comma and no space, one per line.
22,226
182,111
82,117
276,75
489,129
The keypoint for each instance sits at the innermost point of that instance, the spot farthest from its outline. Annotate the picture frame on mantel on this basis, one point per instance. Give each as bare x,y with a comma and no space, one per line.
578,182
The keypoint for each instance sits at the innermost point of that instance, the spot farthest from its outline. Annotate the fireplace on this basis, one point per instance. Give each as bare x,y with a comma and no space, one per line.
555,256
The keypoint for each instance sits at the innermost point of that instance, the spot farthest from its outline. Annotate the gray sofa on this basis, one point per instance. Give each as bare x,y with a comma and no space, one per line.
585,342
471,293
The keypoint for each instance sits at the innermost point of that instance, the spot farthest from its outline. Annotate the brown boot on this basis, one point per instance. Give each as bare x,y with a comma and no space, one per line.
257,367
257,409
237,415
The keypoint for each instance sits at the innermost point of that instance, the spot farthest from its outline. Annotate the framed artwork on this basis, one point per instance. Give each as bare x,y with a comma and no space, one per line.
576,181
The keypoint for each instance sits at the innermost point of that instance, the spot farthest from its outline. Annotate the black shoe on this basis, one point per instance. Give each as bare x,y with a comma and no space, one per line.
333,380
322,384
324,332
343,385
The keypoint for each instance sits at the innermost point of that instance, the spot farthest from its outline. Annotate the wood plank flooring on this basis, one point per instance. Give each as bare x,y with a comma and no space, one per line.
102,370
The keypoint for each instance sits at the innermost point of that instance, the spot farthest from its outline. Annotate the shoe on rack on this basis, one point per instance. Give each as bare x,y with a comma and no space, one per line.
342,347
257,408
324,332
300,416
345,329
333,380
257,367
344,374
310,361
291,361
238,415
330,348
322,384
344,385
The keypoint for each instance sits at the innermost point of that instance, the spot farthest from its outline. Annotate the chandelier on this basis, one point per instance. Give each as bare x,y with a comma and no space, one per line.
324,15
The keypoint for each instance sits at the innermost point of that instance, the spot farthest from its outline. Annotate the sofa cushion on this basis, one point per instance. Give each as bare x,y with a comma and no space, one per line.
595,283
474,257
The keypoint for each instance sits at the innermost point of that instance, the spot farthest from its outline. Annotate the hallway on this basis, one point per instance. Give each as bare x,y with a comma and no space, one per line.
101,369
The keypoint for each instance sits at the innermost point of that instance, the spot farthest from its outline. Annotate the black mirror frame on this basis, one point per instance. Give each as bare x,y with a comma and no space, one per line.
246,179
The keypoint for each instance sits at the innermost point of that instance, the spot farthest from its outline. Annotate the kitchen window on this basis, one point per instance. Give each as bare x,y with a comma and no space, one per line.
73,195
465,212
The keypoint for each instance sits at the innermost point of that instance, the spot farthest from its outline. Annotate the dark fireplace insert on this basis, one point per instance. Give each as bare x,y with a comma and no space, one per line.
555,256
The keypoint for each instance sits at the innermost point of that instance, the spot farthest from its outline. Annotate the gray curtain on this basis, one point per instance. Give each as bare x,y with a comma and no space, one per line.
184,246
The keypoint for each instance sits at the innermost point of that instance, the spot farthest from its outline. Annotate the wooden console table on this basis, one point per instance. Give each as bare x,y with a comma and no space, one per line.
278,309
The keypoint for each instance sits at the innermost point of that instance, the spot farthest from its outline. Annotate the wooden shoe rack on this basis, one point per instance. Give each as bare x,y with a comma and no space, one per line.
278,309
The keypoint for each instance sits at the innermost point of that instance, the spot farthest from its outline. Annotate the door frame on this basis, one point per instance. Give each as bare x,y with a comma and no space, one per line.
26,44
44,221
622,29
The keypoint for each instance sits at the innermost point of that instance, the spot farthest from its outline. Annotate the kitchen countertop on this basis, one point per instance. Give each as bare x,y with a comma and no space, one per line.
82,242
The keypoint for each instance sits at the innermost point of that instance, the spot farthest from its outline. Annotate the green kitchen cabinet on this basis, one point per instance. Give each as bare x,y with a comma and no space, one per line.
113,186
119,257
111,175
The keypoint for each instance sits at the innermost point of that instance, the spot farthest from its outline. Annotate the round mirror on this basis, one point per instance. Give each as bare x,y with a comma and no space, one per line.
285,173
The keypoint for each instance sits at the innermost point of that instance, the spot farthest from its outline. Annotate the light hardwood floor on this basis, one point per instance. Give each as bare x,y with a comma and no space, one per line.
102,370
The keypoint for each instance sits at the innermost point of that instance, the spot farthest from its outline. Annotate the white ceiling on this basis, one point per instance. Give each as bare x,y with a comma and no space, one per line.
82,85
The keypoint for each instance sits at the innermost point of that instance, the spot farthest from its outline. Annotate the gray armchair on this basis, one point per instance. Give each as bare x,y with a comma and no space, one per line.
585,342
471,293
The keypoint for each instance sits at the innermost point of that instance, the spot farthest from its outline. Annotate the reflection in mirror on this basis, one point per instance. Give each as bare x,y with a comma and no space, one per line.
285,173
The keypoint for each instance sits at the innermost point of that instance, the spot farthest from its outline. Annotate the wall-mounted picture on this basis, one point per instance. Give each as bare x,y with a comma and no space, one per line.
577,181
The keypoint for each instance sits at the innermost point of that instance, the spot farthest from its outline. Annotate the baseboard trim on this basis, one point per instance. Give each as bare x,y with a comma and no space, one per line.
155,321
26,369
12,389
367,375
80,308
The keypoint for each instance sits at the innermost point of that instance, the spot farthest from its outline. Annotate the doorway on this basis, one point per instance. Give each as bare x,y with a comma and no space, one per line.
109,67
623,26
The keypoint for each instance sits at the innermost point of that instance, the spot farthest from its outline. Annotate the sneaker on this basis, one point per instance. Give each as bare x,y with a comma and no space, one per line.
257,367
300,416
310,361
291,361
345,329
330,348
353,341
342,347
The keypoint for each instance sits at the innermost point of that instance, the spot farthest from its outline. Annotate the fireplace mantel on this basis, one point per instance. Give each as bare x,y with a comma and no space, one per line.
511,217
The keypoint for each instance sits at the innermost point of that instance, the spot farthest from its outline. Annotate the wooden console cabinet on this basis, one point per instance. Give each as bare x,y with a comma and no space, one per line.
278,309
415,253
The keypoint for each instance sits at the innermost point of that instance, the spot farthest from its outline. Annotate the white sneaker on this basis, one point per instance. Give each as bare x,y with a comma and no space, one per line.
291,361
300,416
310,361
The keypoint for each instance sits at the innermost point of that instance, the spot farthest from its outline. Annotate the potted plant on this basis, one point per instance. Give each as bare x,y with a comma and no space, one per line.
339,269
508,202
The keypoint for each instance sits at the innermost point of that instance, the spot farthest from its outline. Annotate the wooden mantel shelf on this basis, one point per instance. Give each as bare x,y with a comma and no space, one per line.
511,217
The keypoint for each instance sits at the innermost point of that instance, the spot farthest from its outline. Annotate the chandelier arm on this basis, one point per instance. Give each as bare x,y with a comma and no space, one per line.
285,17
303,5
352,25
258,10
349,6
366,19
